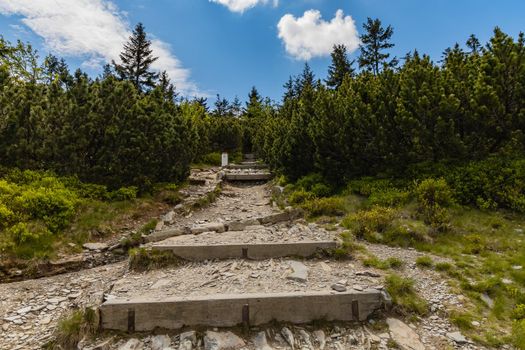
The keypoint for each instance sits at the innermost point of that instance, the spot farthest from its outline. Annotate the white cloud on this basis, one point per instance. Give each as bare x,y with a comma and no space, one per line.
311,36
243,5
95,29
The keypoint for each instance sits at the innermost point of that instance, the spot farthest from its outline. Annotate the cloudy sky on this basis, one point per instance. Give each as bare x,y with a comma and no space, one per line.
226,46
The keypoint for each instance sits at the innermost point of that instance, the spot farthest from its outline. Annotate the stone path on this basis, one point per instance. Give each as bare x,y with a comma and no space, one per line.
29,311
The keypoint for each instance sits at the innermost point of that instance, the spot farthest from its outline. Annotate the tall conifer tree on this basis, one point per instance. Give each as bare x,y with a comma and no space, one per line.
136,61
339,68
376,40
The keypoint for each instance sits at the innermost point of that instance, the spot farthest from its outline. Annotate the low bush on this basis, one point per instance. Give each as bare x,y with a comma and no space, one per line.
365,222
519,312
124,194
392,197
331,206
366,186
214,158
300,196
433,196
405,233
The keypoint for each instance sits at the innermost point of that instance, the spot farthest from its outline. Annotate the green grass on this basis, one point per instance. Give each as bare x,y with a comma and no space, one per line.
43,216
424,262
141,259
482,244
73,328
405,299
390,263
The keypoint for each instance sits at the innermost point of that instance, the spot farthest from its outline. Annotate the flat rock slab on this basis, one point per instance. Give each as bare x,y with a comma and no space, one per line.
403,335
299,271
146,313
257,251
95,246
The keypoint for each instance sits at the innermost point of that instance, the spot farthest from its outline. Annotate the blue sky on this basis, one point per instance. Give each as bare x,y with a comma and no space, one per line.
211,47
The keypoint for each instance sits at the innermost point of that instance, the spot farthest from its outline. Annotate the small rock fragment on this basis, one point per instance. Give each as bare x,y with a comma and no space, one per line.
288,336
320,337
457,337
338,287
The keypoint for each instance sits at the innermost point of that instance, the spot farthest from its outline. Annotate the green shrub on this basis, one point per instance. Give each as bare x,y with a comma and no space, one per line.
214,159
407,234
389,197
6,215
55,206
367,185
309,181
424,261
321,190
299,197
519,312
404,296
432,192
26,241
324,206
433,197
364,222
124,193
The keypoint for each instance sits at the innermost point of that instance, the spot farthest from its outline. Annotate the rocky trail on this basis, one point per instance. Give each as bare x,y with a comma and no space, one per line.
242,214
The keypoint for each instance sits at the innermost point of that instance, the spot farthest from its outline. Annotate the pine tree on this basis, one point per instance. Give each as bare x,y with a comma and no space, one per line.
473,44
136,60
375,41
167,88
340,67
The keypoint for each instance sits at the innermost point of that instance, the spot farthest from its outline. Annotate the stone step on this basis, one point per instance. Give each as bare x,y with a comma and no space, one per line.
142,314
255,251
249,165
248,177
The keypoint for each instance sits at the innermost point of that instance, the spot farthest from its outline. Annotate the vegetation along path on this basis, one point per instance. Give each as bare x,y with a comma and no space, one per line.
38,312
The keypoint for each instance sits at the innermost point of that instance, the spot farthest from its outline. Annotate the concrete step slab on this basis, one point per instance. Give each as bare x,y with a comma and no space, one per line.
141,314
248,177
247,166
256,251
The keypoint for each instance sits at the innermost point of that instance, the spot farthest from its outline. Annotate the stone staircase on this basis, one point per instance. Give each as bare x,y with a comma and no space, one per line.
261,266
248,171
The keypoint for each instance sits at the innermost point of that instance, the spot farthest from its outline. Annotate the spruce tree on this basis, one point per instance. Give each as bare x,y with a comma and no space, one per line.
136,60
339,68
167,88
374,43
473,44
